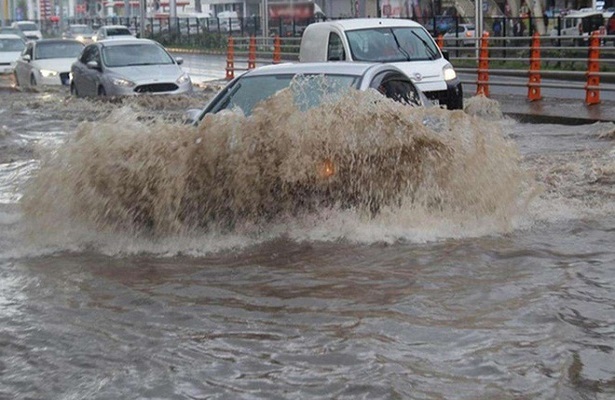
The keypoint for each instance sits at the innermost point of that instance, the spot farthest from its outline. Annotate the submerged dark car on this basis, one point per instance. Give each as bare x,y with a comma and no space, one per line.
294,171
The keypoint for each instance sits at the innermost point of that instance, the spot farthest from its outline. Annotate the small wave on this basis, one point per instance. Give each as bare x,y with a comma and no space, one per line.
359,168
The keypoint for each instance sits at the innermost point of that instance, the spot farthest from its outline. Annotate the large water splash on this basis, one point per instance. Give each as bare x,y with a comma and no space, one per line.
363,158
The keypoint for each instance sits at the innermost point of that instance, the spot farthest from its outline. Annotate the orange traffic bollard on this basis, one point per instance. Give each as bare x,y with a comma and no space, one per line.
252,53
482,83
533,86
230,63
277,50
592,92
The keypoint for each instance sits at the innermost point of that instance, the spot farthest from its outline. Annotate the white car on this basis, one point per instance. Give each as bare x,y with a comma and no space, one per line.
47,62
29,28
11,47
112,32
462,33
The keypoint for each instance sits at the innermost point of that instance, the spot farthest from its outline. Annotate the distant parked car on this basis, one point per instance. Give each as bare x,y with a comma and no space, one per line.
127,66
29,28
80,32
13,31
112,32
11,47
47,62
577,25
462,33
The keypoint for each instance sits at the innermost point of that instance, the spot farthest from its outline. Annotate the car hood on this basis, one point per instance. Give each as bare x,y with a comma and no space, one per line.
149,73
9,56
423,71
54,64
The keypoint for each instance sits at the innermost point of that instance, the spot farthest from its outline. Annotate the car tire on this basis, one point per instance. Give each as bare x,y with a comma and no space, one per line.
73,89
101,91
32,81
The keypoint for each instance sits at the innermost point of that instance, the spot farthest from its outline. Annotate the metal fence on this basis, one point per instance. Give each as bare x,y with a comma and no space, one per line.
190,31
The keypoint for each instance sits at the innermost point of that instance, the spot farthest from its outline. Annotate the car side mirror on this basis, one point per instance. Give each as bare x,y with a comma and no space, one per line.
93,65
26,57
445,54
179,60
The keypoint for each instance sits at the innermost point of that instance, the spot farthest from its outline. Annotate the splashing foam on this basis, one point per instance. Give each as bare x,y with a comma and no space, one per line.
362,168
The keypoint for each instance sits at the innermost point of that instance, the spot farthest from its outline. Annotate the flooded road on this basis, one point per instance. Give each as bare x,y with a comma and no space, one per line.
489,275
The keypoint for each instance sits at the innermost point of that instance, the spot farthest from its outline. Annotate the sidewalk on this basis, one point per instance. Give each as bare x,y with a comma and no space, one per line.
556,111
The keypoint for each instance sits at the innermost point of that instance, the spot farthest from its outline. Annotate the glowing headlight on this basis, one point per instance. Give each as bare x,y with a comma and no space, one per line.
449,73
48,73
326,169
183,79
79,38
122,82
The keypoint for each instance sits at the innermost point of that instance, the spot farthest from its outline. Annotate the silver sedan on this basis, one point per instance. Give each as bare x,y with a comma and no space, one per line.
123,67
245,91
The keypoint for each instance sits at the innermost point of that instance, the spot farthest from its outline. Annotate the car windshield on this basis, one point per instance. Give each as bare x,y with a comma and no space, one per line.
117,31
310,90
28,27
135,54
67,49
80,29
12,45
392,44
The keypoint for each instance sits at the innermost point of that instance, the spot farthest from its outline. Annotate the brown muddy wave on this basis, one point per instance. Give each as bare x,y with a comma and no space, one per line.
363,154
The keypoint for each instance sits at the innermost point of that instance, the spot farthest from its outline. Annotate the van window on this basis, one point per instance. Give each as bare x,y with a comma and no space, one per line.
392,44
335,48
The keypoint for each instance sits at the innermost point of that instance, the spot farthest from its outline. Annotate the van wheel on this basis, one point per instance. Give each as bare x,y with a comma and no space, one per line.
32,81
101,91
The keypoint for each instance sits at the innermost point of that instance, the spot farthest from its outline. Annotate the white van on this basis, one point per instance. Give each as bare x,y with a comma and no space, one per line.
578,26
403,43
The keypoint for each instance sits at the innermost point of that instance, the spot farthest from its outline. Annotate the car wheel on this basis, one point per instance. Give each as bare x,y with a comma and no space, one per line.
101,91
32,81
73,89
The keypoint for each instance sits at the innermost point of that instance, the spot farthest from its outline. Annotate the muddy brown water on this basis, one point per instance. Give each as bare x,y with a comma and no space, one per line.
487,272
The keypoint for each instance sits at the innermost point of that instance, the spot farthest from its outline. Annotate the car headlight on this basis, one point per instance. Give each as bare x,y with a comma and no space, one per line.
79,38
449,72
183,79
47,73
122,82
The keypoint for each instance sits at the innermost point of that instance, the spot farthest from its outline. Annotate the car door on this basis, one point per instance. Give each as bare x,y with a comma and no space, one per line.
83,76
25,64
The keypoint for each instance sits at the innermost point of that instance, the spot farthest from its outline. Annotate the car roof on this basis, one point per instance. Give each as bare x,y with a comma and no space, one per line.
43,41
341,67
126,40
24,22
363,23
77,25
113,26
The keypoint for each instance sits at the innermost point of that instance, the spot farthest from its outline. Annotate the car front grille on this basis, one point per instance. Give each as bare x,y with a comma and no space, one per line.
34,37
156,88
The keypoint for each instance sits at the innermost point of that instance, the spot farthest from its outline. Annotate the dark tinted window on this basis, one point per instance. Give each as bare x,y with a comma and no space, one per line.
335,48
46,50
135,54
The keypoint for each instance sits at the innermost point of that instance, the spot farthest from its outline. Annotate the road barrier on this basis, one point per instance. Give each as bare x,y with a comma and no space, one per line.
489,57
